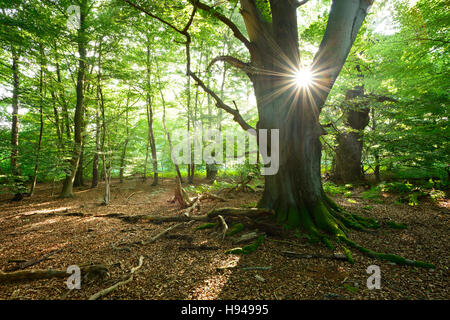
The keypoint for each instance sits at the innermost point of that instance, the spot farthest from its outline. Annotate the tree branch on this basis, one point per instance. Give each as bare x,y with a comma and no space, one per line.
220,104
153,16
237,33
344,22
246,67
298,4
197,4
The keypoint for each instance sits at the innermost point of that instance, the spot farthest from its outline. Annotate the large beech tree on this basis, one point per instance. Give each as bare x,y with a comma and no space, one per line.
295,192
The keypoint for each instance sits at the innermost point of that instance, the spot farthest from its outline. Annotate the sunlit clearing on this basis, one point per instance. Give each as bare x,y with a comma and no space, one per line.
303,78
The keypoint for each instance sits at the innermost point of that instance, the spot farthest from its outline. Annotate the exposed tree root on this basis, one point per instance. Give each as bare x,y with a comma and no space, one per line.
28,275
200,247
242,186
327,222
115,286
32,262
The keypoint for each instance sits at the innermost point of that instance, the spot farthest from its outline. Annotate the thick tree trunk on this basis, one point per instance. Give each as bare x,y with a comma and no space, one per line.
295,192
15,115
350,142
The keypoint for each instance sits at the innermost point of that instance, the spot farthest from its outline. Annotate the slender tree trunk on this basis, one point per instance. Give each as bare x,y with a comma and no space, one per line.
79,179
15,115
79,109
189,119
376,154
41,114
106,172
94,183
127,138
166,132
211,168
63,101
151,135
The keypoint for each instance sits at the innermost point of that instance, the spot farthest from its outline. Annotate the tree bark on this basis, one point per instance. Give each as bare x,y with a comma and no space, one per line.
41,118
95,171
151,136
125,144
350,142
295,193
15,115
67,190
167,133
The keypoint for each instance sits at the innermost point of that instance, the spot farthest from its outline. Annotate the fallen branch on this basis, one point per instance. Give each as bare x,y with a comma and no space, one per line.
256,268
132,194
200,247
248,237
27,275
115,286
159,235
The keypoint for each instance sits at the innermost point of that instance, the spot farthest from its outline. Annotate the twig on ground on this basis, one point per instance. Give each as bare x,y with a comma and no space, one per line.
115,286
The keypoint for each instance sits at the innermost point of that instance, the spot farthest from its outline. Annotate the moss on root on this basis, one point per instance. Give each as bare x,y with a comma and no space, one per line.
235,228
395,225
386,256
327,221
248,248
207,226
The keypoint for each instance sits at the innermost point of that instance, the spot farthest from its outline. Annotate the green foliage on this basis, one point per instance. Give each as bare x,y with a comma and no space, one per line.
207,226
396,187
333,189
235,228
373,193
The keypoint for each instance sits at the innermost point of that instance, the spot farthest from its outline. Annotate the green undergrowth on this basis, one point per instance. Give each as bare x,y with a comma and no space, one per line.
406,191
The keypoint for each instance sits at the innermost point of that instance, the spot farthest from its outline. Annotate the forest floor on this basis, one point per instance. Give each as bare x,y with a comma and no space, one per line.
35,227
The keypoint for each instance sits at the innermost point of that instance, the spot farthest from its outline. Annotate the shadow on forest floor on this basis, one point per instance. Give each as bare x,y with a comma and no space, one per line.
174,269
